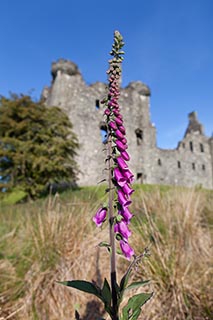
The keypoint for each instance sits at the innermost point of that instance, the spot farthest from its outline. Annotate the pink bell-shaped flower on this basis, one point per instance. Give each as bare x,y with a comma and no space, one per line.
100,216
126,249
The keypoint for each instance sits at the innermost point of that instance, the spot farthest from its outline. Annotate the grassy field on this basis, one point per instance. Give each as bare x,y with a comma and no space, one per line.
54,239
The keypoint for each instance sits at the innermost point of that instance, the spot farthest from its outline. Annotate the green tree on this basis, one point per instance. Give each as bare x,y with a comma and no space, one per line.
37,146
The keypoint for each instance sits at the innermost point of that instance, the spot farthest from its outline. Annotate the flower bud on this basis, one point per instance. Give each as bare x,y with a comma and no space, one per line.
107,112
125,155
118,121
119,135
122,129
112,125
121,147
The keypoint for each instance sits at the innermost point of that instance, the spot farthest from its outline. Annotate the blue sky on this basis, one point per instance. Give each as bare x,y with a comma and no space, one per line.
168,45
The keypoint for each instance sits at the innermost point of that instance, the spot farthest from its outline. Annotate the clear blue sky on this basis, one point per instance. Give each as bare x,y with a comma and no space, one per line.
169,46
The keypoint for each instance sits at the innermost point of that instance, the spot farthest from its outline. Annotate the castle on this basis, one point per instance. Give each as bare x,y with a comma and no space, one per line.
189,164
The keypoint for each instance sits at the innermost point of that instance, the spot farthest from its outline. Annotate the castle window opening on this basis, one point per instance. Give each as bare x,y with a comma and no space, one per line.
159,162
140,177
183,145
179,164
203,167
103,130
139,136
193,166
201,147
191,146
97,104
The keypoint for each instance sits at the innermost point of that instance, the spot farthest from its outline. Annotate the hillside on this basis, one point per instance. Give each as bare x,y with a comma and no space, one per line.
55,239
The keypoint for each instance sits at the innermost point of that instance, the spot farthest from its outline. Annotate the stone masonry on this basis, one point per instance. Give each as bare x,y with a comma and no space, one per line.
189,164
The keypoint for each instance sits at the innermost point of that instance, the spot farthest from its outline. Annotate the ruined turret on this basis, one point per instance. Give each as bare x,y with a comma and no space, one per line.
64,67
140,87
194,125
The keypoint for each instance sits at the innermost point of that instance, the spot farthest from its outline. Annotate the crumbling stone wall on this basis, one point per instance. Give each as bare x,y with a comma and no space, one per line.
189,164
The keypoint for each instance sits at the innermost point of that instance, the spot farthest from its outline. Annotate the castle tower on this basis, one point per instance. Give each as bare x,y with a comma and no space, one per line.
82,104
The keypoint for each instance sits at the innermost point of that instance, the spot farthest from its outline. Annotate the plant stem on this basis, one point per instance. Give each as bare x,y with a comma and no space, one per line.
112,235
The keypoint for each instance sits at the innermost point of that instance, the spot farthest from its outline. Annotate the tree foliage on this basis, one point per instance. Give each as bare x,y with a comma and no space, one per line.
37,145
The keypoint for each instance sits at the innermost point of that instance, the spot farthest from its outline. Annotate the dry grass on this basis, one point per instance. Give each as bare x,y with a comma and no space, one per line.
180,264
57,241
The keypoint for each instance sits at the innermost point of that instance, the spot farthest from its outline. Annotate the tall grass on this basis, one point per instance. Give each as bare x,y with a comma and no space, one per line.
53,240
180,264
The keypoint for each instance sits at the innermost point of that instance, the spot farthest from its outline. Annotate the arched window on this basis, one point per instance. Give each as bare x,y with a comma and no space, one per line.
179,164
191,146
103,130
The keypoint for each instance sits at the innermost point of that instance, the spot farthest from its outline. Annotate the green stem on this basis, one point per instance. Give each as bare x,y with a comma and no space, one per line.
112,235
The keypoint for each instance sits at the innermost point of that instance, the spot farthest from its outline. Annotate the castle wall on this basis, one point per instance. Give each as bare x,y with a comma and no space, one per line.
189,164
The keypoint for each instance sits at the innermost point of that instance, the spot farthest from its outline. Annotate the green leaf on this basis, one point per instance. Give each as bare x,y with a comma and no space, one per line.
119,251
123,285
118,236
133,308
124,280
83,286
104,244
135,285
106,293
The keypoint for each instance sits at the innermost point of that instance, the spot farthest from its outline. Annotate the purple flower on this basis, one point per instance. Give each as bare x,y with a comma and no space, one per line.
100,216
121,163
116,112
126,249
125,155
126,214
124,141
120,116
112,125
107,112
122,129
121,147
127,190
119,135
122,199
121,180
128,175
118,121
121,227
112,104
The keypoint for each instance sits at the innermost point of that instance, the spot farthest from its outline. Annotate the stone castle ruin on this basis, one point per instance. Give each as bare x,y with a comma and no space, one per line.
189,164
